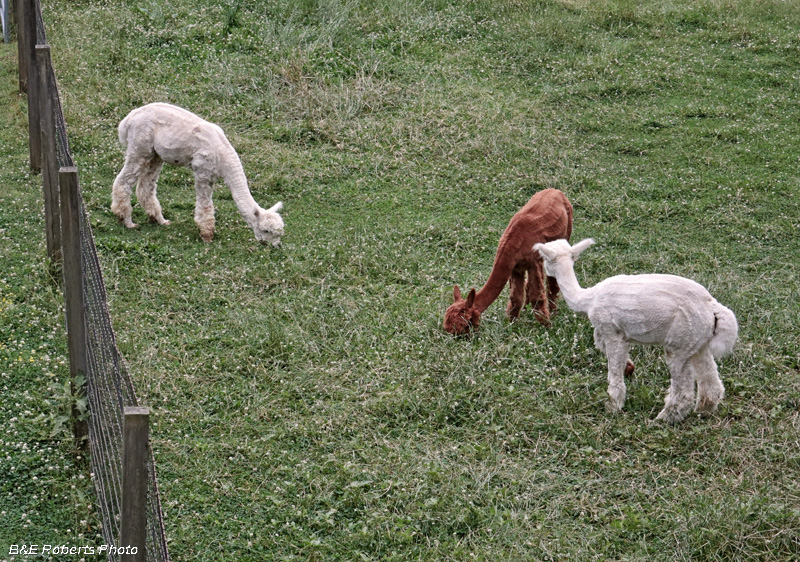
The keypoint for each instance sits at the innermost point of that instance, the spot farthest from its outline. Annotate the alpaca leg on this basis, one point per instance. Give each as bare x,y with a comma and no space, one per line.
600,343
123,187
146,192
678,402
204,207
516,295
616,351
536,295
710,389
552,294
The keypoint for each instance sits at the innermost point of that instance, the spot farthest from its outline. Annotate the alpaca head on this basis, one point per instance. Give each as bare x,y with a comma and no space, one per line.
461,316
560,253
268,225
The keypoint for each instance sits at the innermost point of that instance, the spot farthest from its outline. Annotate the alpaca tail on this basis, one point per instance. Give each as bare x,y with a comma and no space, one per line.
123,132
726,331
123,129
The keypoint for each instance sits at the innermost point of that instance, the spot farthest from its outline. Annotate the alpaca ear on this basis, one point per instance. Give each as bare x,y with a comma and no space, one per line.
456,293
276,207
578,248
544,251
471,298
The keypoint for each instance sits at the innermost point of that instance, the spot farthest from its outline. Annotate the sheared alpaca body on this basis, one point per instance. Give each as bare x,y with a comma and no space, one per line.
674,312
159,133
547,216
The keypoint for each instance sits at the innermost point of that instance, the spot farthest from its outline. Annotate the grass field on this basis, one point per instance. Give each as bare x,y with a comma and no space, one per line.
307,404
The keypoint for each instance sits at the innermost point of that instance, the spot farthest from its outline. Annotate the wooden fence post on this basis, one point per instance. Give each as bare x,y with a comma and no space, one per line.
21,49
133,519
74,300
29,11
48,142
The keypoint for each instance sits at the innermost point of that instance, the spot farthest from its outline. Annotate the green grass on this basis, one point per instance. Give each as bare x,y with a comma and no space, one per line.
46,496
307,404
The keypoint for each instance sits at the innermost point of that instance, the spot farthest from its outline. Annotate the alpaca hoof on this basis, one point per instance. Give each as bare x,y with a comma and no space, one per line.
126,221
206,234
512,312
629,367
162,221
705,406
616,397
670,415
542,314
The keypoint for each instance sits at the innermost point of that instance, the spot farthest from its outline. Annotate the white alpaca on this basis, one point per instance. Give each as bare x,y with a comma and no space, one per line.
160,132
673,312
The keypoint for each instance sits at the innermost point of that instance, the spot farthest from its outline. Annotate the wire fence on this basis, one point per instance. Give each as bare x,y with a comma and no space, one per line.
109,390
94,356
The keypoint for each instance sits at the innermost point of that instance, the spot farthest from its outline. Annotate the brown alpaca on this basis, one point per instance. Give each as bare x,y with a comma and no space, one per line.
546,217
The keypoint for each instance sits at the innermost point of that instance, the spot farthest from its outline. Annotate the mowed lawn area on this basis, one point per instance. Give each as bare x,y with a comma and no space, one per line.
306,402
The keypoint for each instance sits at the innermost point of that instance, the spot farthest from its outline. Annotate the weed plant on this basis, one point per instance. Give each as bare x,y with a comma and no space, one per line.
307,404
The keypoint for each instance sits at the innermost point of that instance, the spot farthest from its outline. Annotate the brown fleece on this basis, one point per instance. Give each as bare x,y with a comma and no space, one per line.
546,217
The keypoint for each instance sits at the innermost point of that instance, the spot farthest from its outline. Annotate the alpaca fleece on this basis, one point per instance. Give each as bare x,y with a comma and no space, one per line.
159,133
546,217
652,309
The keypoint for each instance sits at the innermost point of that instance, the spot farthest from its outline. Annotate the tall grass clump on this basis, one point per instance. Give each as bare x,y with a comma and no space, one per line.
307,404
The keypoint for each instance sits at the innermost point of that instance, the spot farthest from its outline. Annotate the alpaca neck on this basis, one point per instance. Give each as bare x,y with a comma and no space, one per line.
233,175
493,286
577,298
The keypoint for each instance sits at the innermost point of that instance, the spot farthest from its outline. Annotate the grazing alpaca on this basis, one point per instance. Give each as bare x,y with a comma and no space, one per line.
158,133
547,216
673,312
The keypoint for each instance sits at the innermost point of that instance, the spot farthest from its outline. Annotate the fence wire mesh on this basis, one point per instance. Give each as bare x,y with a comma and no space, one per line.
63,154
108,386
41,38
109,390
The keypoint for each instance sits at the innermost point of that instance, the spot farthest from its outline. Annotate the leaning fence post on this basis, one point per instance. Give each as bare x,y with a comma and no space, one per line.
29,11
74,301
49,156
133,519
